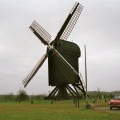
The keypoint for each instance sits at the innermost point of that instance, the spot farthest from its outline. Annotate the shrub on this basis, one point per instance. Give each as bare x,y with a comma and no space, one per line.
22,95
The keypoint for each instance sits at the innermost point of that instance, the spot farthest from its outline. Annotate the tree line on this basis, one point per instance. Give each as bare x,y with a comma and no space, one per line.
23,96
102,94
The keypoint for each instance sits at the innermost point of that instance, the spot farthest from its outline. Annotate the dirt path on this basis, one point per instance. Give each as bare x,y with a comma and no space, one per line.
107,109
102,108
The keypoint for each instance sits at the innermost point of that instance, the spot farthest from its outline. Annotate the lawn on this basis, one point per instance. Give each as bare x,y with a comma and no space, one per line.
59,110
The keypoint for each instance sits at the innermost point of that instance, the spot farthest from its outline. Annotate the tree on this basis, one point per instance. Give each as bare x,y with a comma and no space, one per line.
99,93
22,95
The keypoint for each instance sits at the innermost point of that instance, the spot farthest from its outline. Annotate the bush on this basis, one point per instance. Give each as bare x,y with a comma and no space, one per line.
22,95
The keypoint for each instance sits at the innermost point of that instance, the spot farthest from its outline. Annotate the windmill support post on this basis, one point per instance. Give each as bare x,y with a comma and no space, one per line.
65,92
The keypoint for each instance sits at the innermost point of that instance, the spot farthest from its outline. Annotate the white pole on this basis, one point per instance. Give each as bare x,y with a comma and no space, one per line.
86,76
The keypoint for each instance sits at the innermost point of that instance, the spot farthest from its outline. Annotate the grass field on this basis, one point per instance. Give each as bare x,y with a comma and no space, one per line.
59,110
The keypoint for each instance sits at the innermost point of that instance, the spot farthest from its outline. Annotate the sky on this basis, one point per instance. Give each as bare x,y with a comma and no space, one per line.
98,27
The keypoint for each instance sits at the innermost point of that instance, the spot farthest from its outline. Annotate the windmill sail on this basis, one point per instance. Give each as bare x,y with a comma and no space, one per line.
70,22
41,33
34,71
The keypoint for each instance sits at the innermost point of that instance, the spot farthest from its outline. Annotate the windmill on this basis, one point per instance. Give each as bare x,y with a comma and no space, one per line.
63,68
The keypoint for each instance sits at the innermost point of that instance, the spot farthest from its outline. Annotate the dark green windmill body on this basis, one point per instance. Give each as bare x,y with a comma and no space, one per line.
59,73
63,59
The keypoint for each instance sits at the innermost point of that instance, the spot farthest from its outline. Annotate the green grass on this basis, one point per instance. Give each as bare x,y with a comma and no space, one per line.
59,110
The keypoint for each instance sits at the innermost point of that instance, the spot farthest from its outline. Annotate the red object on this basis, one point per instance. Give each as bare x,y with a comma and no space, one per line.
115,103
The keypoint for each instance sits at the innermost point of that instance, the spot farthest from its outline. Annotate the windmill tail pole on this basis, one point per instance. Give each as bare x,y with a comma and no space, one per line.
86,76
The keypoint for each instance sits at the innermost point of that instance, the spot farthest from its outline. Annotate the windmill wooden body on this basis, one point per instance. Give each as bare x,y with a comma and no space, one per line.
63,56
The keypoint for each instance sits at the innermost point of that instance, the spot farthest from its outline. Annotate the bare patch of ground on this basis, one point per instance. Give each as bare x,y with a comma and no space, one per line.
107,109
102,108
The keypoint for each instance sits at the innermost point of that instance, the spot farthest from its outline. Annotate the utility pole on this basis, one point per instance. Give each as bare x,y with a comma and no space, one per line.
86,76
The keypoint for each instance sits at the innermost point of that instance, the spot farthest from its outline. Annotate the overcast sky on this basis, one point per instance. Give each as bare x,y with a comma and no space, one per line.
98,28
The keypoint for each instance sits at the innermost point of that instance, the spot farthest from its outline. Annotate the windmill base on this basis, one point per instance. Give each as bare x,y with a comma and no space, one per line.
62,92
